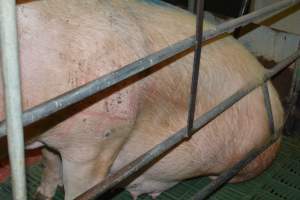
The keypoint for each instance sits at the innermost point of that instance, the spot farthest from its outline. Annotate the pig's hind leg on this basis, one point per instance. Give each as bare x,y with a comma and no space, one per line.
51,177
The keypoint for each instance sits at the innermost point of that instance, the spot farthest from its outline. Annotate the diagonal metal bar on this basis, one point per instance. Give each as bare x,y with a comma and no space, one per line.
268,107
196,66
51,106
229,174
160,149
244,8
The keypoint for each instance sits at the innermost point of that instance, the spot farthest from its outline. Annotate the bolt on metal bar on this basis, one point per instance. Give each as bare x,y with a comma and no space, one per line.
58,103
171,142
268,107
229,174
196,66
11,77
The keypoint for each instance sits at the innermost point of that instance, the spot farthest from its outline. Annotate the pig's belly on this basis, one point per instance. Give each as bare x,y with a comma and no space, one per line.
215,148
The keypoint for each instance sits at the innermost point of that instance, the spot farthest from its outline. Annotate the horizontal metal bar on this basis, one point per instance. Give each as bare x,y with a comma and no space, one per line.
229,174
12,91
51,106
174,140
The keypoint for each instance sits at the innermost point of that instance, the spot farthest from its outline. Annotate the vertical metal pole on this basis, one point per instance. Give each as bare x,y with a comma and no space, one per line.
196,67
10,70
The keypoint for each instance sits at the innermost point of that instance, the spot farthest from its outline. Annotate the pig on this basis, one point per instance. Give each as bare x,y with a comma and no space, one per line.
65,44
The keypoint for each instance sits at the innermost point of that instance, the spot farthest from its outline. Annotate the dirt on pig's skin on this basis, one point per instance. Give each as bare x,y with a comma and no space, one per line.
64,44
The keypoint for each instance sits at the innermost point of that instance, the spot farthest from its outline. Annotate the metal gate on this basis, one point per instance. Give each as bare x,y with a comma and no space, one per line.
15,119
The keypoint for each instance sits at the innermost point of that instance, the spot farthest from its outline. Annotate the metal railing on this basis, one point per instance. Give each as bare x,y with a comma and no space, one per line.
11,77
47,108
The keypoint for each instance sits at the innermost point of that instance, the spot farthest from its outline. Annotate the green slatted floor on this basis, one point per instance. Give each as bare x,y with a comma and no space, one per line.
280,182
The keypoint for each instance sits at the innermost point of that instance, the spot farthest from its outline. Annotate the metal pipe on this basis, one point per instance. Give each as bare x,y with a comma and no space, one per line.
196,66
268,107
231,25
11,77
229,174
51,106
245,5
244,9
76,95
162,148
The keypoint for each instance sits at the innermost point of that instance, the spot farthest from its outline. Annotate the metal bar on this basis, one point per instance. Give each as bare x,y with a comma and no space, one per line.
244,9
76,95
268,107
160,149
11,77
229,174
231,25
196,66
51,106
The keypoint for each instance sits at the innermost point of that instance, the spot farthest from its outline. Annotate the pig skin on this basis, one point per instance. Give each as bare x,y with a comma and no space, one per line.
64,44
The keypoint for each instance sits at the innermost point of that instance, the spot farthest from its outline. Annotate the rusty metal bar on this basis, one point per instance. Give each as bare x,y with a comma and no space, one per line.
51,106
12,90
196,66
160,149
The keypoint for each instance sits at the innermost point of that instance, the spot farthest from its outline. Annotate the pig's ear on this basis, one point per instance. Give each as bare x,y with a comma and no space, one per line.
34,145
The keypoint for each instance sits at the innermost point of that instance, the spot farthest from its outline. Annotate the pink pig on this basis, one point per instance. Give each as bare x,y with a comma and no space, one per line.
64,44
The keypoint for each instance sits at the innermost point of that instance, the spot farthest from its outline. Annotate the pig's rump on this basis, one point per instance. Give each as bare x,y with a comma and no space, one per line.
225,67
